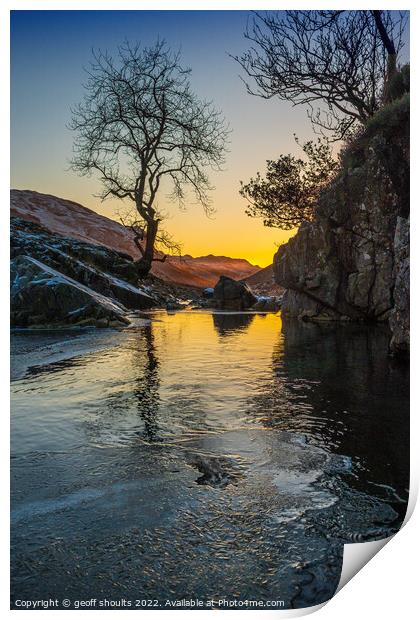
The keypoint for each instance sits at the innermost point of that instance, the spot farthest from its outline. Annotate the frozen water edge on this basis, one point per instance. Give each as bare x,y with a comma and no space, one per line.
37,348
203,454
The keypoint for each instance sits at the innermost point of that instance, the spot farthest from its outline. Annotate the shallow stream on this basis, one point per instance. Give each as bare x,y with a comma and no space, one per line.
205,456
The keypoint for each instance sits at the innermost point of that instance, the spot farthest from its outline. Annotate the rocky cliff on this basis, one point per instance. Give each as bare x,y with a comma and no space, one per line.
58,281
352,261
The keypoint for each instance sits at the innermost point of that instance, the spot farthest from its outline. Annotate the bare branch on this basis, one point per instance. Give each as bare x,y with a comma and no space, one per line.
140,122
329,59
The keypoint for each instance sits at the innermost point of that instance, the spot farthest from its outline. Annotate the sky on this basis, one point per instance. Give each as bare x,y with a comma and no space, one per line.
49,50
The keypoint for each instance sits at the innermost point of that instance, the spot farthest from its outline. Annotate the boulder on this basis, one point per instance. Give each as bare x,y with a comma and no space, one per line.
232,294
44,297
174,304
267,304
208,292
96,267
30,239
129,295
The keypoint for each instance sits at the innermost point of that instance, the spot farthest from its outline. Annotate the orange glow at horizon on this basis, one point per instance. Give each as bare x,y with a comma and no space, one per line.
229,232
259,129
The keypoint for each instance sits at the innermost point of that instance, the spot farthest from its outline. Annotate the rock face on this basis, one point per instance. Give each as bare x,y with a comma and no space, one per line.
31,239
232,295
58,280
351,262
267,304
399,320
262,283
42,296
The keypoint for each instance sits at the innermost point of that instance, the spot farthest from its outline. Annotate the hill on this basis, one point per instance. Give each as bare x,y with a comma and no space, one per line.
263,283
71,219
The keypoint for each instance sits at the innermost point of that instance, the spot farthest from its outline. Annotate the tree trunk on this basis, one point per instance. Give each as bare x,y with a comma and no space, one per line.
391,51
144,264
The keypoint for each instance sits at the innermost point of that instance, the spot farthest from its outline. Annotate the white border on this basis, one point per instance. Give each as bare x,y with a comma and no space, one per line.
387,586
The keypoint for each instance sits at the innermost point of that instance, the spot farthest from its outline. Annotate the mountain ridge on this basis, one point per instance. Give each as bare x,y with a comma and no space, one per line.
69,218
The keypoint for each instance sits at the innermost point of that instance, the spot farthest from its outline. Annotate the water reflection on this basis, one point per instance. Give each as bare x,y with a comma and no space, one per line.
228,324
301,435
337,386
146,382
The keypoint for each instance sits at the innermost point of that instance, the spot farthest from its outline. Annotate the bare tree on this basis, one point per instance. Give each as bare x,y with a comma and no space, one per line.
335,59
139,123
164,241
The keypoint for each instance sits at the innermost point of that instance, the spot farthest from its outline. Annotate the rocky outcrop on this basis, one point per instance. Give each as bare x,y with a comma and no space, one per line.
28,238
105,271
262,283
43,297
267,304
399,319
74,221
232,295
53,277
351,262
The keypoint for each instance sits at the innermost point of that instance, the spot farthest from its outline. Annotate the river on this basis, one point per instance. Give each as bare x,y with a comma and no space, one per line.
201,455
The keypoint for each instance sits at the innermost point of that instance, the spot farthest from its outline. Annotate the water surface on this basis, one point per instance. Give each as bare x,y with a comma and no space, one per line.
212,456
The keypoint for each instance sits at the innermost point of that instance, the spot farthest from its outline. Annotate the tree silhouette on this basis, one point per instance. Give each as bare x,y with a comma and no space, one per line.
289,192
339,60
140,123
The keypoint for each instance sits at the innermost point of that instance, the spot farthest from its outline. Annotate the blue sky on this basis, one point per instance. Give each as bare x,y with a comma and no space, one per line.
49,50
